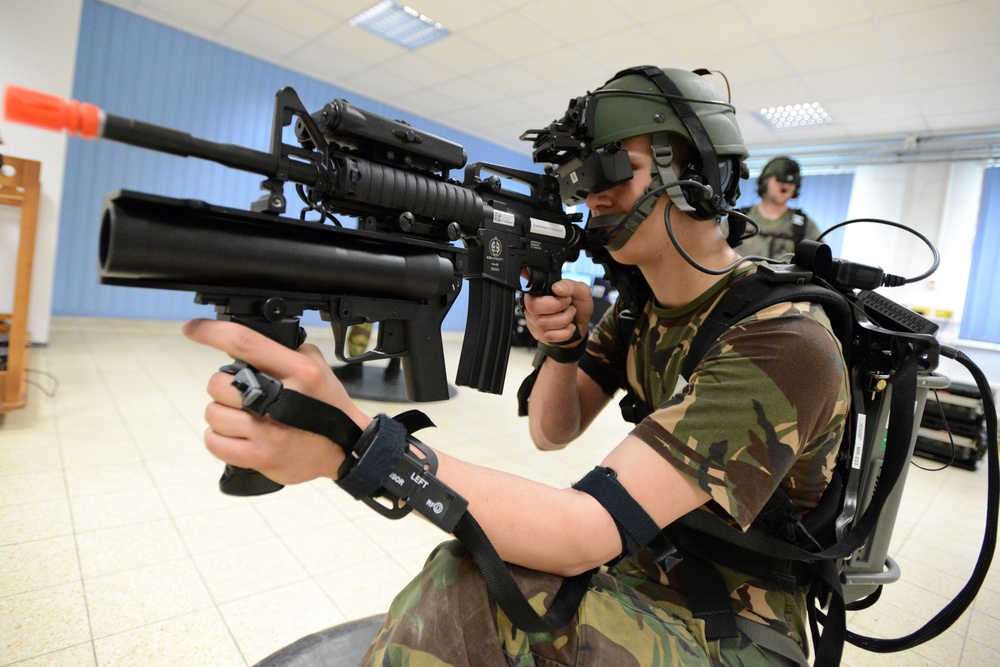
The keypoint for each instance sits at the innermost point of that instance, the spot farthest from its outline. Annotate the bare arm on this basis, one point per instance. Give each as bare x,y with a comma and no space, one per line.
564,400
561,531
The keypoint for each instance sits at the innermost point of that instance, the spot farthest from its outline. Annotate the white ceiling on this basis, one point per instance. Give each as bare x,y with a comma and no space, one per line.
897,71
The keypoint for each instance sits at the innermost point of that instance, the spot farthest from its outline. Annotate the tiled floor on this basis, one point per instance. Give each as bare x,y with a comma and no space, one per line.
116,547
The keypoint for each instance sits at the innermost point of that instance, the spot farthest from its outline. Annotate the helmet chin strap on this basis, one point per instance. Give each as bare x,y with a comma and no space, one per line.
620,227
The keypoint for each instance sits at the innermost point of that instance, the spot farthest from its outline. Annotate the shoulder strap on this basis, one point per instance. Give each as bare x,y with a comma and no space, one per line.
754,293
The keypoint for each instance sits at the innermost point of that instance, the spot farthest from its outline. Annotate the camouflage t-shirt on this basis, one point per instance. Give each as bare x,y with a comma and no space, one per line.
764,408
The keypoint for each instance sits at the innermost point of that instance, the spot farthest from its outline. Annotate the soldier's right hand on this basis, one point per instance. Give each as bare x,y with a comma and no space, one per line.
561,316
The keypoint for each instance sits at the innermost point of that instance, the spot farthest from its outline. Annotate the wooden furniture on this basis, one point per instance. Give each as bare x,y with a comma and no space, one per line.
19,186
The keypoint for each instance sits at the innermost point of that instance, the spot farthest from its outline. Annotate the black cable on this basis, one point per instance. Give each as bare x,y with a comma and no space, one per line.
898,280
704,269
954,609
951,438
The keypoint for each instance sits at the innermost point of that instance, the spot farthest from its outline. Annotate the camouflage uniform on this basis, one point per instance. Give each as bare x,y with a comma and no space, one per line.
778,237
765,407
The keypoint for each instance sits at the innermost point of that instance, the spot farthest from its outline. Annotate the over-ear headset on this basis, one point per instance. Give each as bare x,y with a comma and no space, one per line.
705,166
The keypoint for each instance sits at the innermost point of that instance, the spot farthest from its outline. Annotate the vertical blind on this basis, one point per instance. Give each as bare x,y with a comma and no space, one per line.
980,317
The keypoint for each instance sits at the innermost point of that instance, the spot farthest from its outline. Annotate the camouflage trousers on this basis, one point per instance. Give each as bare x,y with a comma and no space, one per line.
446,618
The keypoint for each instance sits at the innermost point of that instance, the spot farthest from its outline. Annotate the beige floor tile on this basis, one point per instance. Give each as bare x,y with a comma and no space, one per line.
120,508
34,521
197,496
134,598
86,455
34,487
200,638
249,569
81,655
38,459
975,654
985,630
331,547
222,528
29,566
267,622
107,479
129,547
295,509
364,590
42,621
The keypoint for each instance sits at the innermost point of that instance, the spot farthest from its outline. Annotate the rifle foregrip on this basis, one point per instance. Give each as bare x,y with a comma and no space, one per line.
486,347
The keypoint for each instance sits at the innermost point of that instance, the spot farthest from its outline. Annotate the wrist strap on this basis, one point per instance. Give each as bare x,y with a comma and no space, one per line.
562,354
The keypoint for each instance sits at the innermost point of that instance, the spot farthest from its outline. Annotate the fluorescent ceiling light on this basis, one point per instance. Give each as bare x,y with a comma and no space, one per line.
400,25
791,116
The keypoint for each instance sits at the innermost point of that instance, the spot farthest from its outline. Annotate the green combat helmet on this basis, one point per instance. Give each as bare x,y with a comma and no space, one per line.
785,169
584,147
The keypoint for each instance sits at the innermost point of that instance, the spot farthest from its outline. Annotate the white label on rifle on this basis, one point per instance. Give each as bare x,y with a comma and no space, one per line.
859,442
547,229
503,217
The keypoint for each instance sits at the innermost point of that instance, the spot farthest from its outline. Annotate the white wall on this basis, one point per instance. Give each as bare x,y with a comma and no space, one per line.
38,41
941,201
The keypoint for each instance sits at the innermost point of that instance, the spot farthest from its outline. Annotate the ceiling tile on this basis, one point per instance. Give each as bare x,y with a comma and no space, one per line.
873,107
871,78
943,70
202,17
358,44
574,21
947,28
318,60
749,65
779,19
728,30
463,55
891,7
293,16
788,90
838,47
980,96
511,33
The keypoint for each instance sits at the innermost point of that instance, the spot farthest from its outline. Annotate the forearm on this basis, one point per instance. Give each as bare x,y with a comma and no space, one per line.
555,415
561,531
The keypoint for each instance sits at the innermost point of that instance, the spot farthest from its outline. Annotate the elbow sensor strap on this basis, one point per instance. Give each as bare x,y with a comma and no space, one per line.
636,528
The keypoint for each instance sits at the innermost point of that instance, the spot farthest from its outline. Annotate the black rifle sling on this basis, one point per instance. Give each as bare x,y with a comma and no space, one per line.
504,588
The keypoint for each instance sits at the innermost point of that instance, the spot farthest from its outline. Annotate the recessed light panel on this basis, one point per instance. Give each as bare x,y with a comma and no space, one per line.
791,116
399,24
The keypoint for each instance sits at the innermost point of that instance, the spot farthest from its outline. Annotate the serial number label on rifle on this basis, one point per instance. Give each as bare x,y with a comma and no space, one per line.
503,218
545,228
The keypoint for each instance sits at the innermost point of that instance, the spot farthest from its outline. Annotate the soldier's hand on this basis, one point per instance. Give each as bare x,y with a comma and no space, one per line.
561,316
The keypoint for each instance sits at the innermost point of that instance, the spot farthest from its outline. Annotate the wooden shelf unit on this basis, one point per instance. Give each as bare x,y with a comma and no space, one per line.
19,186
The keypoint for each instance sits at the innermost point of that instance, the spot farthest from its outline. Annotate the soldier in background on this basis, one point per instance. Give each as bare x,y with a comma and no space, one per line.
781,227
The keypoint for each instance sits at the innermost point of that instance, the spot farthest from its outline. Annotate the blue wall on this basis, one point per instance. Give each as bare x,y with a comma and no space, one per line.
140,69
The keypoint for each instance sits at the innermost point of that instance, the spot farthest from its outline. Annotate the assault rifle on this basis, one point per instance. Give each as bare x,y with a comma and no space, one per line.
399,268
